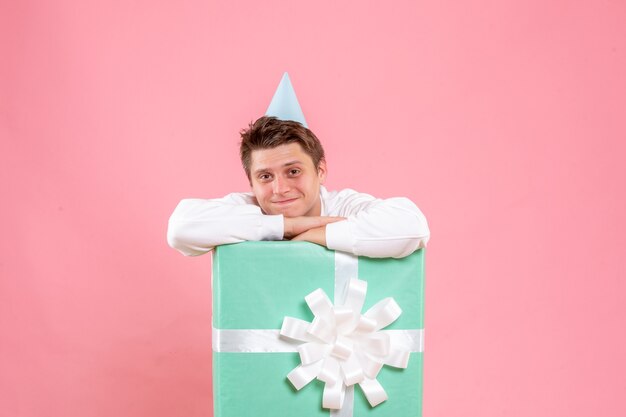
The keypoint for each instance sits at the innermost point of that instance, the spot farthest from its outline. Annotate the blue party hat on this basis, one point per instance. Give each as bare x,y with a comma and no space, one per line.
284,105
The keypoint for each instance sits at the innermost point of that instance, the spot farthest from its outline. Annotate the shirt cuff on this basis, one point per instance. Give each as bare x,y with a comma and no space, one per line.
339,236
272,227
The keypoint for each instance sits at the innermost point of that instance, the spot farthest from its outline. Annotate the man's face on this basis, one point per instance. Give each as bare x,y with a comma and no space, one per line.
285,181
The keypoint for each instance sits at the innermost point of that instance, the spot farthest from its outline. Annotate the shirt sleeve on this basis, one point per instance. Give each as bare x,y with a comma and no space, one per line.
376,228
196,226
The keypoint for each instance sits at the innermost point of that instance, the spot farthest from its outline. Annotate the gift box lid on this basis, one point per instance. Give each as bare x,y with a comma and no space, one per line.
257,284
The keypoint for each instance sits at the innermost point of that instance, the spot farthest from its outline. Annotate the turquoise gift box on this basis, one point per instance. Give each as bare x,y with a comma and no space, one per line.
257,284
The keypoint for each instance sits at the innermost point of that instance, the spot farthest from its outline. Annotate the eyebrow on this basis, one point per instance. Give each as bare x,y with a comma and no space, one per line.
286,164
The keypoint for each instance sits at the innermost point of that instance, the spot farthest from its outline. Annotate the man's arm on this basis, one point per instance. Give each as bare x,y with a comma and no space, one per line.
198,225
375,228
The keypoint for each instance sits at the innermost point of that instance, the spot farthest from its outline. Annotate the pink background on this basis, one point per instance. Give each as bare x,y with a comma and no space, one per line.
504,121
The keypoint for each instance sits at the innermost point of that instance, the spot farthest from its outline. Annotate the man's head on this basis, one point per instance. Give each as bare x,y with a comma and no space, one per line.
285,164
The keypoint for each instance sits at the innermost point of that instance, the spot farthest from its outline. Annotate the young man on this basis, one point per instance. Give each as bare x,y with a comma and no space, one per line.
285,164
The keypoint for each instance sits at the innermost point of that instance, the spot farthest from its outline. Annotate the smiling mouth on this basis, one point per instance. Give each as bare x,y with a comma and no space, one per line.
291,200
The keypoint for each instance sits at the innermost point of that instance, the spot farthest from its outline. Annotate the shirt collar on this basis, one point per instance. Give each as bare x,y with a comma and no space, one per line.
323,194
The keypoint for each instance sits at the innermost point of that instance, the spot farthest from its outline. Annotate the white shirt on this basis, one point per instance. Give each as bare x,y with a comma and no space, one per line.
376,228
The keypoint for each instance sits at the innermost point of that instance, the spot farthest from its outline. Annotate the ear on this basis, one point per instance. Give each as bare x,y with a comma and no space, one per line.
322,171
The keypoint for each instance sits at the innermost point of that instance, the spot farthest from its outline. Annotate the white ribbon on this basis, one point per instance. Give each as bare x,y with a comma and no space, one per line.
341,346
269,340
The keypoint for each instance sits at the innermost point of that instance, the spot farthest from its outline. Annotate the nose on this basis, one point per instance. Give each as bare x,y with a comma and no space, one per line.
281,185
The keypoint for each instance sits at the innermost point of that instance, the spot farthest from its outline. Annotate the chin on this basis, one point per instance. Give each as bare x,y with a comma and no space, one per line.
293,212
285,213
290,213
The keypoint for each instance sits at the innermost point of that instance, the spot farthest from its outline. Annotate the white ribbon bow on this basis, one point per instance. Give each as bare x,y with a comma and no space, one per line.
343,347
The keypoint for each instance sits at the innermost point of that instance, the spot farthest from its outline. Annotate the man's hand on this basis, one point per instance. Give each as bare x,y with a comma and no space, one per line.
296,226
316,235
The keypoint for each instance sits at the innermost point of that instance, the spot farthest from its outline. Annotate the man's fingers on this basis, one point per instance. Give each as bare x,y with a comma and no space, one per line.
333,219
297,225
324,220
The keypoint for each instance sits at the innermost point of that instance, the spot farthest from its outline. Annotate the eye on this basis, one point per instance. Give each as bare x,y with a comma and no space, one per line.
265,177
294,172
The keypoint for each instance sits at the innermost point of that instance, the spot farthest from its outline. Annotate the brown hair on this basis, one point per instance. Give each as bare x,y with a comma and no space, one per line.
269,132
